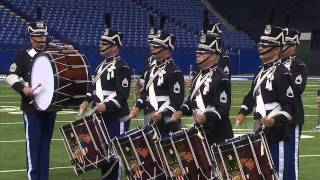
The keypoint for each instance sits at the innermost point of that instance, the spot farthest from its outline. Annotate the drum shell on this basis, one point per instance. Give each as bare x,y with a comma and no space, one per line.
71,80
74,74
84,133
246,154
136,148
193,150
202,151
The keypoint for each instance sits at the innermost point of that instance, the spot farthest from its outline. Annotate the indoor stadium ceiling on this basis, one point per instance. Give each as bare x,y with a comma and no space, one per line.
252,15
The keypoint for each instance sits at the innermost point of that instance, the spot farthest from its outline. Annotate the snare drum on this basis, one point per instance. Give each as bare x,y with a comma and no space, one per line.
244,157
187,154
64,80
87,143
138,154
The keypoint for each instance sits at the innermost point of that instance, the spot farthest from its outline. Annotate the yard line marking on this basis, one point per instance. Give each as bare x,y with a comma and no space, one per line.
239,92
236,129
306,115
12,123
313,98
313,85
302,136
10,102
10,96
310,106
23,140
8,91
316,155
23,170
250,130
307,92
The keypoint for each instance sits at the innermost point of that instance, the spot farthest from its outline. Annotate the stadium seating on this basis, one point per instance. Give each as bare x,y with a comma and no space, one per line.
81,22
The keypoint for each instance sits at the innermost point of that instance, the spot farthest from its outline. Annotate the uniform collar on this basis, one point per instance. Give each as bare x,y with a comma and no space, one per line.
109,59
208,69
288,58
163,61
271,63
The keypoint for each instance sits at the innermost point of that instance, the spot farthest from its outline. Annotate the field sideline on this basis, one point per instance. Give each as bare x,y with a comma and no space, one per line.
12,158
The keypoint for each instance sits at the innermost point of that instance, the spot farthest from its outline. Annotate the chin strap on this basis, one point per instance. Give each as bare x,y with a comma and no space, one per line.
39,41
265,52
286,48
103,50
157,52
205,60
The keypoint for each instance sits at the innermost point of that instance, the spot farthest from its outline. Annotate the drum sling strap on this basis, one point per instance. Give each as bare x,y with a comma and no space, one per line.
200,80
151,92
97,79
260,108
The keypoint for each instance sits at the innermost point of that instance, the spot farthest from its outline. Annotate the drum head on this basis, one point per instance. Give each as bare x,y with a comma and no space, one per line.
42,72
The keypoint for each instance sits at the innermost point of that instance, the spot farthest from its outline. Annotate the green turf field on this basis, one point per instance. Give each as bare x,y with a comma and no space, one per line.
12,145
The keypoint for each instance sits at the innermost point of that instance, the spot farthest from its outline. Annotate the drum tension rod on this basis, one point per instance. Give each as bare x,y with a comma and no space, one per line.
69,66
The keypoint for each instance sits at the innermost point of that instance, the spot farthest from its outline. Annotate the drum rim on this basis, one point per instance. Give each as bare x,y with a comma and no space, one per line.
228,146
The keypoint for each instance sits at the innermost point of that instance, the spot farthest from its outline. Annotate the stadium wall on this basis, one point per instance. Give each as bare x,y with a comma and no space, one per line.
245,61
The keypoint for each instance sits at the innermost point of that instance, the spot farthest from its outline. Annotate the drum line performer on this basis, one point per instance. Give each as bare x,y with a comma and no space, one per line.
111,88
299,77
209,99
271,98
163,90
148,64
224,61
38,125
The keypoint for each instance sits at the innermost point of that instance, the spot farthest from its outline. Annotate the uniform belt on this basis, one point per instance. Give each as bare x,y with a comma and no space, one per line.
271,106
159,98
104,92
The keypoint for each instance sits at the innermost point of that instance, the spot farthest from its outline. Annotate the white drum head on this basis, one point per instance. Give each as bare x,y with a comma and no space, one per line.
42,72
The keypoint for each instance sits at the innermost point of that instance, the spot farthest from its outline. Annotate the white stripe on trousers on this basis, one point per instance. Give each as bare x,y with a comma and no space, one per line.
281,160
296,150
119,168
28,147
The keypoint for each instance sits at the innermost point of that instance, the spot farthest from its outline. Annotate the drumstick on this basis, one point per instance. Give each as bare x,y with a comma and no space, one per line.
35,88
125,118
80,113
190,71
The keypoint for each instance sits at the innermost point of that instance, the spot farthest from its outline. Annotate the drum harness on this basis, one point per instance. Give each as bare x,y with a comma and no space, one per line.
110,66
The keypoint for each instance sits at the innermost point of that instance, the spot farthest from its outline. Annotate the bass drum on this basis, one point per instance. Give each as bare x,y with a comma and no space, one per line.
59,80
